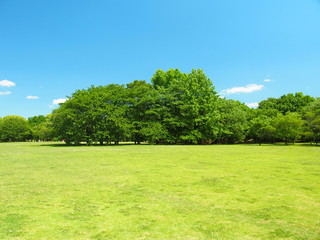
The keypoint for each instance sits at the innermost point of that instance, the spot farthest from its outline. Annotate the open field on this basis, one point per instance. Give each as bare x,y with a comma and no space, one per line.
53,192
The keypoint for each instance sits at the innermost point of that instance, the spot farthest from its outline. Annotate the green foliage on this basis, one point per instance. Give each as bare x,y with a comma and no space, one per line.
41,128
312,106
162,79
288,127
14,129
232,121
36,120
189,100
96,114
311,114
261,127
176,108
144,113
287,103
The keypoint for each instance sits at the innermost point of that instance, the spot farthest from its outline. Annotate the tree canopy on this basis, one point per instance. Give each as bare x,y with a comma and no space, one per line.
174,108
14,128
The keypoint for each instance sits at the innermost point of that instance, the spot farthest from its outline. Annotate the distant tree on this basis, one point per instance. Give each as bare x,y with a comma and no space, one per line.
288,127
14,129
312,106
260,125
311,115
40,127
95,114
232,121
1,119
270,103
261,130
287,103
36,120
267,112
312,126
65,124
144,113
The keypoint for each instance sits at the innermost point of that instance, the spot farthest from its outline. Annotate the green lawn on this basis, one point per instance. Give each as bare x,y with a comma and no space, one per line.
53,192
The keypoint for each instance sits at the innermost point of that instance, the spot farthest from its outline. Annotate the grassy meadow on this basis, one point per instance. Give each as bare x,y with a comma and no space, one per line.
54,192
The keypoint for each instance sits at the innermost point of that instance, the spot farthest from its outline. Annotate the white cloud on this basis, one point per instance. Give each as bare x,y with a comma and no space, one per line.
5,93
7,83
58,101
252,105
32,97
267,80
247,89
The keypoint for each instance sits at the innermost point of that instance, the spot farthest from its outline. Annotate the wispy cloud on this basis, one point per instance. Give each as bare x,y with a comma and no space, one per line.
5,93
267,80
247,89
252,105
7,83
32,97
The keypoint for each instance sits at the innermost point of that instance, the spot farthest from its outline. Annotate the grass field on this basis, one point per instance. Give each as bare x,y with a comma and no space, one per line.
53,192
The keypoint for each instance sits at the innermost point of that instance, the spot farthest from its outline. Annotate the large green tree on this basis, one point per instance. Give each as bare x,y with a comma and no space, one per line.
95,114
189,103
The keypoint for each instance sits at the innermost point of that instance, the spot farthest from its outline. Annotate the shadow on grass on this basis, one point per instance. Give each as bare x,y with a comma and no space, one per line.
280,144
61,144
84,145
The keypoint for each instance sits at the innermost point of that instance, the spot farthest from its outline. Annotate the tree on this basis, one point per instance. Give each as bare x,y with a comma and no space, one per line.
67,123
1,120
260,125
14,129
232,121
288,127
162,79
41,127
311,115
95,114
312,106
36,120
287,103
189,103
144,113
312,126
261,130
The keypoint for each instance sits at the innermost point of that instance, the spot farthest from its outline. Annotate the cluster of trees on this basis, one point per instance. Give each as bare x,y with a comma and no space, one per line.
175,108
18,129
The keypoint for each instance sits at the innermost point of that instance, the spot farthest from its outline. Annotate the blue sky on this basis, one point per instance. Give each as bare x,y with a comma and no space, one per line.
251,50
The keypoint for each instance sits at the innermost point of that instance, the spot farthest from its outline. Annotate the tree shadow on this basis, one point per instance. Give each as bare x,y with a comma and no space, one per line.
280,144
85,145
61,144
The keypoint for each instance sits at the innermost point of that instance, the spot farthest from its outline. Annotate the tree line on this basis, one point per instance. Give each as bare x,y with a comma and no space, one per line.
175,108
